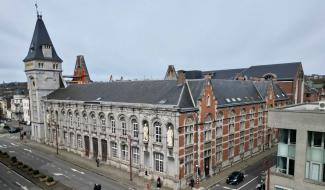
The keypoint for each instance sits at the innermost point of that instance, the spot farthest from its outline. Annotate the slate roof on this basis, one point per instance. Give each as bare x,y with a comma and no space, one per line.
194,74
164,92
227,92
283,71
196,87
235,92
40,37
224,74
262,87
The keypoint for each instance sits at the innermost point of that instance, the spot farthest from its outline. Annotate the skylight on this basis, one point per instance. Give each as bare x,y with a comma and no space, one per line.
228,100
239,99
162,101
99,98
233,99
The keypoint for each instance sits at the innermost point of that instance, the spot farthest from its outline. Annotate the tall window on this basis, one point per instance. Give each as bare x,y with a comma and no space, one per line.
71,140
78,119
102,121
315,166
286,151
93,120
219,124
188,164
135,128
85,120
157,126
123,125
232,119
113,127
124,152
114,149
136,155
231,146
207,128
70,119
189,125
79,141
219,149
159,162
242,119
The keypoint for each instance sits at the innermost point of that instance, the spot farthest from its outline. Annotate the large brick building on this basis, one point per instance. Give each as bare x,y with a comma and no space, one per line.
289,76
173,129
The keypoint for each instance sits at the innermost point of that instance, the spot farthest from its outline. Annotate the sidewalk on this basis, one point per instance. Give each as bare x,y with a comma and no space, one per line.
110,172
206,184
138,182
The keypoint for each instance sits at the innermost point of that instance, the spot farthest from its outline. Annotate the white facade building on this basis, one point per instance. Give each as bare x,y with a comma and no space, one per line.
301,148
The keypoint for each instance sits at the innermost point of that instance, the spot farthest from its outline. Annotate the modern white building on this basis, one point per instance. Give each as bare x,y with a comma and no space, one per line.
17,107
26,110
301,148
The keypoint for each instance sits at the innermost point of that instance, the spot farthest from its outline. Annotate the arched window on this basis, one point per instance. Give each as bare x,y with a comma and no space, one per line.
123,125
93,120
85,119
135,126
220,117
102,121
70,118
76,113
157,127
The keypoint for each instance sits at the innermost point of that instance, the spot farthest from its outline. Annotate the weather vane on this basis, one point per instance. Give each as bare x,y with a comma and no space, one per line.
36,6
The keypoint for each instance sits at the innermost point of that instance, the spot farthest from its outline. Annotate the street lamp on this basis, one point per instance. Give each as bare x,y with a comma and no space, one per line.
129,137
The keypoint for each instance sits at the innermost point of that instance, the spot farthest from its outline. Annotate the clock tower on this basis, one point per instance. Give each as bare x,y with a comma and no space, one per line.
43,68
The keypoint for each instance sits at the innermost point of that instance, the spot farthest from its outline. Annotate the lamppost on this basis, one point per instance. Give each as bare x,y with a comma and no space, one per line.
129,137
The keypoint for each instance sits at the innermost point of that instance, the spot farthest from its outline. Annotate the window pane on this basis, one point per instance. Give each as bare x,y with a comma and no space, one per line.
317,139
291,167
283,136
293,136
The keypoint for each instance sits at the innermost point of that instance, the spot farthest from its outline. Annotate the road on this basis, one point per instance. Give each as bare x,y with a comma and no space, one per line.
62,171
10,180
252,174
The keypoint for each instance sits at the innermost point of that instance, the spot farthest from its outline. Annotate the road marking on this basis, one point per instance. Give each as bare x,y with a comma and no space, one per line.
21,186
13,144
77,171
225,187
59,174
11,151
248,182
28,150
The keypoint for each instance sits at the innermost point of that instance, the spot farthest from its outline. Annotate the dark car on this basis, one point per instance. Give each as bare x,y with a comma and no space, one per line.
235,178
14,130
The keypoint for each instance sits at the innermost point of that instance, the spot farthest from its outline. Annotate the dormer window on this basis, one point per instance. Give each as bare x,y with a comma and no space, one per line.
47,51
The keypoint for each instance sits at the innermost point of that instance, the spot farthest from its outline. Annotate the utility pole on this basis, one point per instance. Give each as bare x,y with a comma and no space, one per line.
56,136
130,157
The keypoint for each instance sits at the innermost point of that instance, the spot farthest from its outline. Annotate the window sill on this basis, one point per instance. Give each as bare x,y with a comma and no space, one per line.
157,144
314,182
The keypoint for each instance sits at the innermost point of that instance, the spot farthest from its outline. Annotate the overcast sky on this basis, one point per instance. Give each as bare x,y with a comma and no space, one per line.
140,38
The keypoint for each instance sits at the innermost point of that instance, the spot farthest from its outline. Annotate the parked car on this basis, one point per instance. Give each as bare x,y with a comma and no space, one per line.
14,130
235,178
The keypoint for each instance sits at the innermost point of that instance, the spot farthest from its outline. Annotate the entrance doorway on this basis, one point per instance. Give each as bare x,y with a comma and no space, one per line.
95,147
104,150
86,138
207,166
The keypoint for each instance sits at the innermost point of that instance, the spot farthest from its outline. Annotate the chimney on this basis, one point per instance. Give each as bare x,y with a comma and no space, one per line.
181,77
